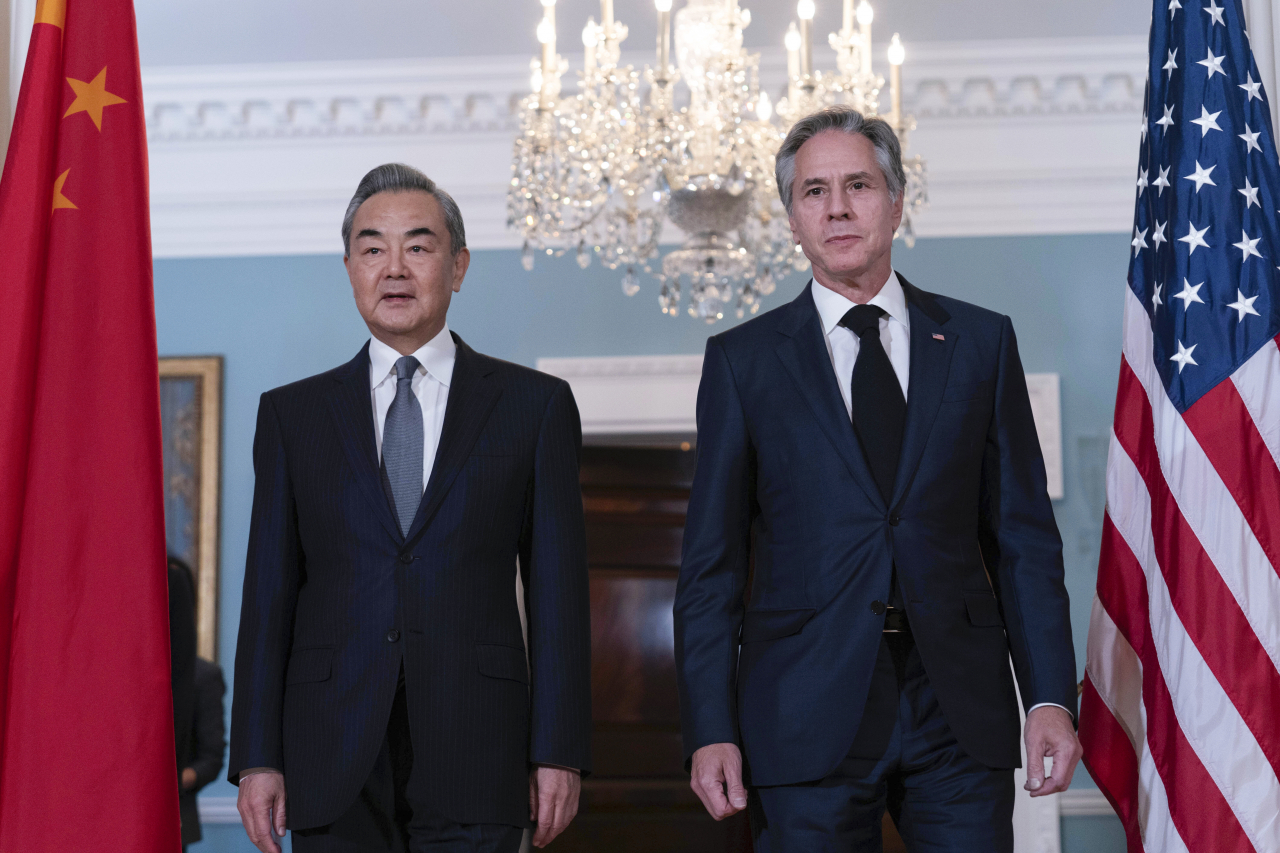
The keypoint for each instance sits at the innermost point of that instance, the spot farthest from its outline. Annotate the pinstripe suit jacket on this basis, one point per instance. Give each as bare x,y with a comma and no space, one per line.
336,600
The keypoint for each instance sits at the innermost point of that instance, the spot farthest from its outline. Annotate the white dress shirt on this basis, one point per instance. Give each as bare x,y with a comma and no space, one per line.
843,344
895,336
430,385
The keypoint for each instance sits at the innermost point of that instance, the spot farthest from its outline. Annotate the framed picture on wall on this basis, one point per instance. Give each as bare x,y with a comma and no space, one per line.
191,427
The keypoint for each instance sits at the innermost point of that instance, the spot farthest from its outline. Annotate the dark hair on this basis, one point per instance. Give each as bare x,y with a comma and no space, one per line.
184,570
398,178
846,120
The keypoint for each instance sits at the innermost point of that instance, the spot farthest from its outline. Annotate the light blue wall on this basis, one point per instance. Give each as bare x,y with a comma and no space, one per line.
280,319
183,32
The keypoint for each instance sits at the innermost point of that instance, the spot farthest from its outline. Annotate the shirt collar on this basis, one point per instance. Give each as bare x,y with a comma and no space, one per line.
832,306
436,357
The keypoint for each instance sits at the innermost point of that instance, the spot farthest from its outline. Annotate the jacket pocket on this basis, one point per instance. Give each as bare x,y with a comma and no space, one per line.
312,664
760,625
962,391
983,609
502,662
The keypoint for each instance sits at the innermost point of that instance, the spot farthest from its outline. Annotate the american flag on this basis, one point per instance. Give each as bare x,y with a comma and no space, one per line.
1180,715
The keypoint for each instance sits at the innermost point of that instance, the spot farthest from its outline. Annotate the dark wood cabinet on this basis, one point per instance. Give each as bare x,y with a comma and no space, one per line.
638,798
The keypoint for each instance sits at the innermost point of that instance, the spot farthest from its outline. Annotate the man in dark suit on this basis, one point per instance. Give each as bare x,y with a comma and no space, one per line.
208,743
381,672
871,445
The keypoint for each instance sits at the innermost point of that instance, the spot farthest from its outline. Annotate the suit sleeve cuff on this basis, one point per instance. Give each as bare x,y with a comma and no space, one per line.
557,767
252,771
1033,707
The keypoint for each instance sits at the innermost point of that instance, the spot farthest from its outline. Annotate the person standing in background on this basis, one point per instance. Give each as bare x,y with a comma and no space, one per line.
208,744
182,658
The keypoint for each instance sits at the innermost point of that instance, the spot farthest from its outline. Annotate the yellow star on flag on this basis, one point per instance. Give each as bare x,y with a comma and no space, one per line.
92,97
60,200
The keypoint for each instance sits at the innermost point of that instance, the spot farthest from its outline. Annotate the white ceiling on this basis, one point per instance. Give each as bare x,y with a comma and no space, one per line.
200,32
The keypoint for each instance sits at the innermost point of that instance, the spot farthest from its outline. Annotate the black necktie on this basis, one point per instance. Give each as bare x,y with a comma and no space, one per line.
879,409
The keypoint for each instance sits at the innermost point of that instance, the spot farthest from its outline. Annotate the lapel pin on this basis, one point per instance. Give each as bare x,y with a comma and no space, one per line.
938,337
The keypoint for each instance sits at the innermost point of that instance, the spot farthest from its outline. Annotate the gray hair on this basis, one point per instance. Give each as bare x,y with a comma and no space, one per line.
398,178
846,120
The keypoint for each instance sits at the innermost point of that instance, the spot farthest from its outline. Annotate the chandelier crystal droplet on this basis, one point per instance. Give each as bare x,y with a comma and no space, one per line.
600,170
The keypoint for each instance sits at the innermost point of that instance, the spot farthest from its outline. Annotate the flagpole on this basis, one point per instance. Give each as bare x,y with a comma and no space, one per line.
7,86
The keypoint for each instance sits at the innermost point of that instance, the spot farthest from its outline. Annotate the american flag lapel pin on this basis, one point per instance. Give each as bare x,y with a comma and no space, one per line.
938,337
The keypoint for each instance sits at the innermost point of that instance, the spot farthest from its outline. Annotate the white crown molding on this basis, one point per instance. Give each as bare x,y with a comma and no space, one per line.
317,99
1021,137
1029,77
482,94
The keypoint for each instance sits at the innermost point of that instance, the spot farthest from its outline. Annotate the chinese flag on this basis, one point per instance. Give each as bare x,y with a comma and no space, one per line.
86,714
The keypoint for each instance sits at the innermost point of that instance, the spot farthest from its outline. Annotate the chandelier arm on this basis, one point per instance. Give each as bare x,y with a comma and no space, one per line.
602,169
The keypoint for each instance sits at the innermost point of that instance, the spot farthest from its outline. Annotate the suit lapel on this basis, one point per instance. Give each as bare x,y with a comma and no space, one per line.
804,355
352,407
472,395
930,364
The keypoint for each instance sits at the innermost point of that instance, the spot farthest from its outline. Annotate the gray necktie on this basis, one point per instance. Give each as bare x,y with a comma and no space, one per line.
402,446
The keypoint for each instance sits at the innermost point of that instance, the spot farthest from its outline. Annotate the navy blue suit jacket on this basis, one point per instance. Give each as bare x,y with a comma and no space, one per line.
336,600
781,477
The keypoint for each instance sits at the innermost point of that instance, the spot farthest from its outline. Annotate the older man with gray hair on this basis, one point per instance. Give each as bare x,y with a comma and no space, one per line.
869,450
382,675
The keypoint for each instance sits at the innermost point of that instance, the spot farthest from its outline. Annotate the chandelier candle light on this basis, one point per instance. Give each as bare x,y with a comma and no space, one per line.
600,170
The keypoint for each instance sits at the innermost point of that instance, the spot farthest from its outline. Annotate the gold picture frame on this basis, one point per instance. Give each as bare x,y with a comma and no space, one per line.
191,427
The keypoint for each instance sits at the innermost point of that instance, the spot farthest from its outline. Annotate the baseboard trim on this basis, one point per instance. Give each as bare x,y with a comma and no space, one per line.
1078,802
1085,802
218,810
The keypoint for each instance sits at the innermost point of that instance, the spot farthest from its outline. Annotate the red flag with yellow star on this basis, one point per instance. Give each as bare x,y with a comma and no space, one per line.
86,715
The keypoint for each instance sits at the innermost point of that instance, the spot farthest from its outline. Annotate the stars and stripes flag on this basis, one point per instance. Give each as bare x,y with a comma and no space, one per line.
87,751
1180,715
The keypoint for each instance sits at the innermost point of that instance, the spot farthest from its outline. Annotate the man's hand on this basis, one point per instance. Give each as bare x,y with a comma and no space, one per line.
717,779
262,799
1050,732
553,801
188,779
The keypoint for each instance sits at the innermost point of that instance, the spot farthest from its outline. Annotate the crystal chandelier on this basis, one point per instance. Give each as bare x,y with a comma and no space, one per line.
598,170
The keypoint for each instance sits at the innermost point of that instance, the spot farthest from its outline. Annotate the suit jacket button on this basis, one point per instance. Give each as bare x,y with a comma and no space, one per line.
406,558
393,635
877,607
894,519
